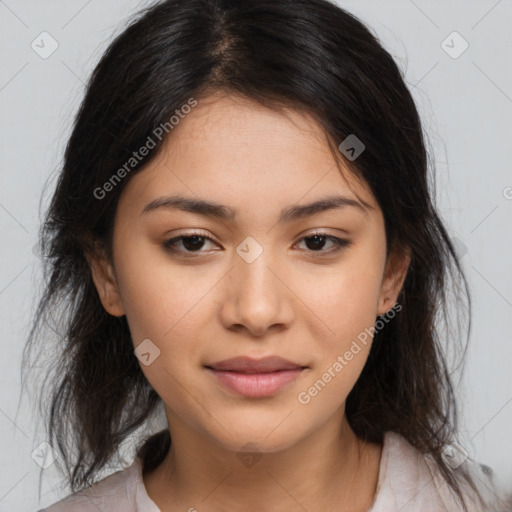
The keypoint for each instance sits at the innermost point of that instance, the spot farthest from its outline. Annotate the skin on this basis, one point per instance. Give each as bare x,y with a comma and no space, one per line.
298,300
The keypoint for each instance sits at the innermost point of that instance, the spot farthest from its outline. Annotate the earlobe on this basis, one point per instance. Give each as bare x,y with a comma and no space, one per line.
104,280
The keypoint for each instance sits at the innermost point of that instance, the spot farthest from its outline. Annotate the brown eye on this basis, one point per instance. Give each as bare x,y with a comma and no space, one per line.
316,243
190,243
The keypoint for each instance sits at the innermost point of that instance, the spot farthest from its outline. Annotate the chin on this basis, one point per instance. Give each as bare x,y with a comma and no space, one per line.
267,435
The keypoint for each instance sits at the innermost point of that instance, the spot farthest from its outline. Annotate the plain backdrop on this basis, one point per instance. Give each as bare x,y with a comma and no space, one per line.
465,99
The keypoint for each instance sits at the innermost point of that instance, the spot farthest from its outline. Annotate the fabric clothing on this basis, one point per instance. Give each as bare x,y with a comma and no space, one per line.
408,482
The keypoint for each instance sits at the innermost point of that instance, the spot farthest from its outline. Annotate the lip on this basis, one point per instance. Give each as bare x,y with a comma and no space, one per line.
244,364
256,385
256,378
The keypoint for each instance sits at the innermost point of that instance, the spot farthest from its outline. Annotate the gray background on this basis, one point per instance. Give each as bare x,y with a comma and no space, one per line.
466,104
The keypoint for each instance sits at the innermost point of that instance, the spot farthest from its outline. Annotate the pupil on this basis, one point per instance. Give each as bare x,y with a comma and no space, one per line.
197,242
317,239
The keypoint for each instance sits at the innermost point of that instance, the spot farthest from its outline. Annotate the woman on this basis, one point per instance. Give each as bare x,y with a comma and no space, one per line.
243,235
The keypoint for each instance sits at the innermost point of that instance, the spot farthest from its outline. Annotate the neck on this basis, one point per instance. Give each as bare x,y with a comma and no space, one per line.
331,469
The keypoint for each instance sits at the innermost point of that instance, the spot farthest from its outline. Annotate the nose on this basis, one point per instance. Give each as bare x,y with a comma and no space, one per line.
257,298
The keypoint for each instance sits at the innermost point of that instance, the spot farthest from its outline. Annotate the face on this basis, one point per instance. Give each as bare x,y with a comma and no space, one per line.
248,280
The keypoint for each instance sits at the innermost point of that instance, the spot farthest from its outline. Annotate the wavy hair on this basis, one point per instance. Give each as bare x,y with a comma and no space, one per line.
307,55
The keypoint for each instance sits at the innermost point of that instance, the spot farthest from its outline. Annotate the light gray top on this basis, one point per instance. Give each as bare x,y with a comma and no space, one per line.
408,482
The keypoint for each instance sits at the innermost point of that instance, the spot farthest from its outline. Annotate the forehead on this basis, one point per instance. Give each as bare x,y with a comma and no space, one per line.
236,152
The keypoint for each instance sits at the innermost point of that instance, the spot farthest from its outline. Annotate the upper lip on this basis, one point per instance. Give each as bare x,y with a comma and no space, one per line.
246,364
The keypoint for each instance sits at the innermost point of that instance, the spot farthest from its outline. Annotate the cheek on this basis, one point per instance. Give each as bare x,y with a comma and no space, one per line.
350,314
168,312
349,309
166,307
349,301
158,297
327,390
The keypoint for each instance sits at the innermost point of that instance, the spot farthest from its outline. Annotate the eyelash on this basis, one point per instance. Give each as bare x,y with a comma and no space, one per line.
169,245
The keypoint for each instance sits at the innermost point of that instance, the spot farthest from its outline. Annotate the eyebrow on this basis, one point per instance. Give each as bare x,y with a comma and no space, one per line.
222,212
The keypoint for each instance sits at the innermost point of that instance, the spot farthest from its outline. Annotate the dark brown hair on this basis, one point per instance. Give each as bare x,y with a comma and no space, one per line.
307,55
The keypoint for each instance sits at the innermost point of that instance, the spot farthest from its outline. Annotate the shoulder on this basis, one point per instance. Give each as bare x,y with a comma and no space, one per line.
122,491
411,481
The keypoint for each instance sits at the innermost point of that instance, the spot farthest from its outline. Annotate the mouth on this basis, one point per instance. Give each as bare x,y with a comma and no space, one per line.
246,364
256,378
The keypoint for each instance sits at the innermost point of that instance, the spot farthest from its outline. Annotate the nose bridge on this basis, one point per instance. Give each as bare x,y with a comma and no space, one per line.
256,297
255,276
254,283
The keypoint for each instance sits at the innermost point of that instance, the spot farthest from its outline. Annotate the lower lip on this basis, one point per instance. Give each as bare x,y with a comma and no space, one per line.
256,385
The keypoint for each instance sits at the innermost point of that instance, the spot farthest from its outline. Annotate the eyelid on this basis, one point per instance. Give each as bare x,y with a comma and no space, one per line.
323,232
193,231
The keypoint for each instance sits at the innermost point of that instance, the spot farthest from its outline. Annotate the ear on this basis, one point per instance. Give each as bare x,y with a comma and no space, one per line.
105,281
395,272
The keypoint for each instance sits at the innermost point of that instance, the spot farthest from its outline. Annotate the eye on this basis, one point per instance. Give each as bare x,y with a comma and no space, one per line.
190,244
316,242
